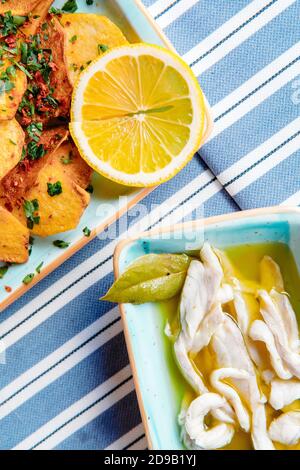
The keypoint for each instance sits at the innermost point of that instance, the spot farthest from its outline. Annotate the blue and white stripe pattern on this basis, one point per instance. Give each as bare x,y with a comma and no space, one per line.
65,382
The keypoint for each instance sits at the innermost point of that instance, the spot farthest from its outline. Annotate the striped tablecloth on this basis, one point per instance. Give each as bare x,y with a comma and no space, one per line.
65,382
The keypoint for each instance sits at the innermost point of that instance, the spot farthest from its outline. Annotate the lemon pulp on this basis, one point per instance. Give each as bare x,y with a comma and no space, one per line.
245,261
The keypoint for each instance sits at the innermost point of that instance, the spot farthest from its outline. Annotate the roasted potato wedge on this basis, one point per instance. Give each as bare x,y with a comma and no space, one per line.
19,7
20,179
14,239
86,33
69,160
60,212
10,100
12,142
59,78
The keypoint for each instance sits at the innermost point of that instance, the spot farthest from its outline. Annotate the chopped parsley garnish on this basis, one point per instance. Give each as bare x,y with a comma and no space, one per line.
37,64
35,59
55,11
27,106
87,232
52,101
23,153
35,151
30,210
24,52
19,20
28,279
54,189
23,69
90,189
70,6
61,244
102,48
34,130
9,24
73,39
89,2
3,271
67,160
6,84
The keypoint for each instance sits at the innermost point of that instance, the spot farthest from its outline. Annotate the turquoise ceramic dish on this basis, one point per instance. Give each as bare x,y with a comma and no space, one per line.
144,324
110,200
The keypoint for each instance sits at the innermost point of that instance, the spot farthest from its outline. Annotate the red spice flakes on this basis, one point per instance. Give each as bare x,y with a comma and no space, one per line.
25,119
8,288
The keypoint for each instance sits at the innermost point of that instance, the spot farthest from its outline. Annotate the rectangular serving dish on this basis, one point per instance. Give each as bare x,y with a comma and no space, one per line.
106,206
151,361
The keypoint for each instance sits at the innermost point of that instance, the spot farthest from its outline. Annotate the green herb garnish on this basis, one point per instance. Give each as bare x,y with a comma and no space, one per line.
35,151
70,6
54,189
9,24
55,11
3,271
73,39
34,130
39,267
31,242
102,48
67,160
90,189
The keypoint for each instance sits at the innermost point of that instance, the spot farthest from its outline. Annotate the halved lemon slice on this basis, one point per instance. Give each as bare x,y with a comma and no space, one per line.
137,115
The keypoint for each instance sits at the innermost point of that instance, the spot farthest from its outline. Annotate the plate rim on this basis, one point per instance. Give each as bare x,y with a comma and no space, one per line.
205,221
83,241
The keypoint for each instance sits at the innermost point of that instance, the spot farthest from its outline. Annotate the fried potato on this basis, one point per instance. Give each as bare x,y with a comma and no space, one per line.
19,7
12,141
85,33
61,212
70,162
37,17
18,181
10,100
14,239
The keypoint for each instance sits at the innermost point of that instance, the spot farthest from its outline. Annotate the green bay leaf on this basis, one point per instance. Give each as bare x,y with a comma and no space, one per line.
150,278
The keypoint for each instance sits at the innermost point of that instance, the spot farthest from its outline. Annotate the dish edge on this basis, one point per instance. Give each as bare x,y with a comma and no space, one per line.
83,241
